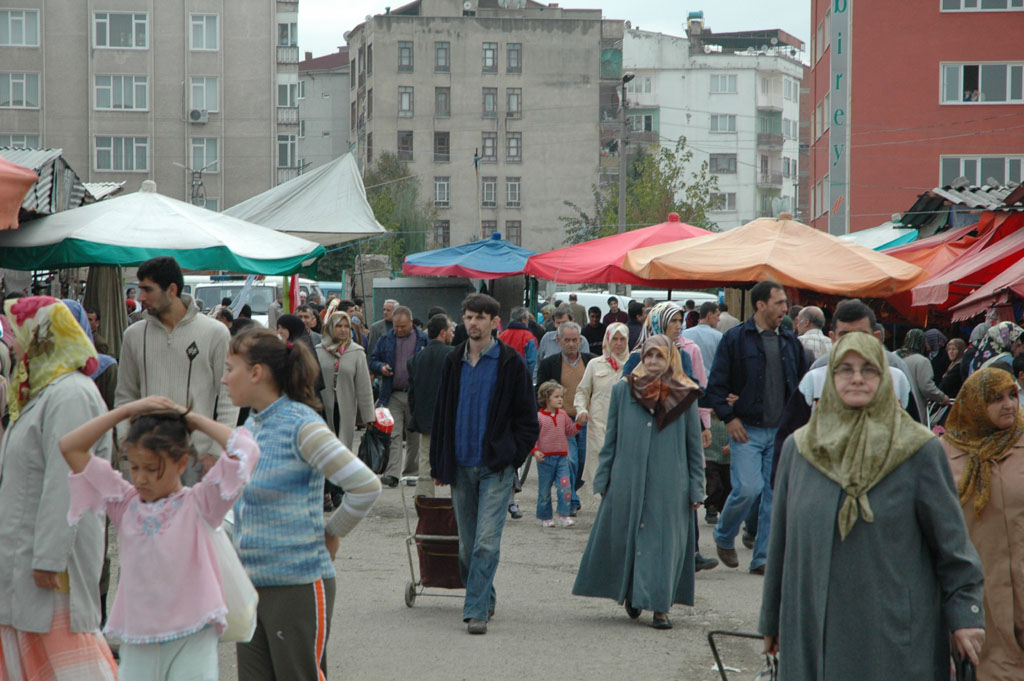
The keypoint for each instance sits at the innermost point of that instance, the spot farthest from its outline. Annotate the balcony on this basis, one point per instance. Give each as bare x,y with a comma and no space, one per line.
645,137
769,140
285,174
771,101
287,54
769,180
288,115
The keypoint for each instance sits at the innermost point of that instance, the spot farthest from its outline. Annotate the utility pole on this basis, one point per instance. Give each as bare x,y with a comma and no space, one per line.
626,77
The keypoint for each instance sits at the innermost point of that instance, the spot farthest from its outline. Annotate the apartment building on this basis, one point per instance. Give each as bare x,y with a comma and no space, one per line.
495,106
140,89
323,108
736,99
908,96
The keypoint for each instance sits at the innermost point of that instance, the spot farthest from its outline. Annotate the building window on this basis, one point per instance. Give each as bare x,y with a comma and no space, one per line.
405,145
204,32
442,56
405,55
514,232
442,102
982,5
287,34
442,147
122,153
302,89
490,102
352,116
723,84
121,30
442,192
19,90
122,93
818,116
790,129
205,154
722,164
442,233
982,83
20,141
980,169
723,123
488,192
723,201
369,104
514,147
487,228
490,147
211,204
204,93
286,151
641,122
302,128
288,94
514,102
405,101
639,86
352,73
369,148
369,59
490,57
512,185
19,28
514,61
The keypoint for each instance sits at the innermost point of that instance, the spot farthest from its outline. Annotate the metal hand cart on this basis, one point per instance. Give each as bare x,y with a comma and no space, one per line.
436,539
771,661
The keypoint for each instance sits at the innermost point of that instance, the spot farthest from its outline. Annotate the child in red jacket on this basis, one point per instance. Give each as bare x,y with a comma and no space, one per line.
552,454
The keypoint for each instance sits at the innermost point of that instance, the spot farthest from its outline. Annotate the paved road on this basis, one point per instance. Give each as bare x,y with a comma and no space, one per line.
540,630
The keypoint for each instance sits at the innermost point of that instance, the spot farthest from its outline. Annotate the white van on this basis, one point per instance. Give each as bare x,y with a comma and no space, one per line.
210,292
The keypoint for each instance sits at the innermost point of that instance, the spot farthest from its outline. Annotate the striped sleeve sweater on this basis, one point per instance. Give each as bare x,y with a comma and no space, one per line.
555,431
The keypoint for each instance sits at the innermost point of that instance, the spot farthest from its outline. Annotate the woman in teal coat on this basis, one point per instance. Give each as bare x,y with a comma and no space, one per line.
650,475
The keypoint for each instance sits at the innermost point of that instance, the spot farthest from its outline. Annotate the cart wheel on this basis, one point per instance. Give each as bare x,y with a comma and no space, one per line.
410,594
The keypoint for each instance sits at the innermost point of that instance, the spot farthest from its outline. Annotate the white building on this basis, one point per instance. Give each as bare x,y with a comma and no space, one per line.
736,99
323,108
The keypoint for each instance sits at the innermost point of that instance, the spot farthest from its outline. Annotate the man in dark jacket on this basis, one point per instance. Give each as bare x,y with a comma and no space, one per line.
424,379
485,424
390,361
761,363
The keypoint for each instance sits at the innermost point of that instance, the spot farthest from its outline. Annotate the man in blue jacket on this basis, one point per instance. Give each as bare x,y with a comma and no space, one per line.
762,363
485,424
390,361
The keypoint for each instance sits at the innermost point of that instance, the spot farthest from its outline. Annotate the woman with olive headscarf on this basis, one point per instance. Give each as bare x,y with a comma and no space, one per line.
869,564
650,475
985,443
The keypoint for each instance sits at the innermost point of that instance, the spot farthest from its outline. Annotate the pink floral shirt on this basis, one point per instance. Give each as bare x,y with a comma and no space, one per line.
170,585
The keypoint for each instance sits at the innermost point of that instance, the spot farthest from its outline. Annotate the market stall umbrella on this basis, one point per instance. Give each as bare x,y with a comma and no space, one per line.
885,236
15,181
131,229
999,291
783,250
600,260
488,259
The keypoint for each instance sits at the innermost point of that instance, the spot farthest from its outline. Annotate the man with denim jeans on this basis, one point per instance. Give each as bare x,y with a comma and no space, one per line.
484,426
761,363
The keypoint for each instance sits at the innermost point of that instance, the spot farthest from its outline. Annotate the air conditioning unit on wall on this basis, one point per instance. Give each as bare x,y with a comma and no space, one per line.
198,116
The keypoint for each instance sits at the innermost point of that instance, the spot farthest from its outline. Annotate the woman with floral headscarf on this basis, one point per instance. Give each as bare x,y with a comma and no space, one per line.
985,443
664,318
650,476
870,569
997,345
49,574
914,352
595,390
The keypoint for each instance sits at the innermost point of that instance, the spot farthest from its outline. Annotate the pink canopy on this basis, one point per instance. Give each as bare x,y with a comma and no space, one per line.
15,181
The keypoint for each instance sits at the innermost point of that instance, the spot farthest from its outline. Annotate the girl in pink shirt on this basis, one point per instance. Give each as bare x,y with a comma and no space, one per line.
170,609
552,454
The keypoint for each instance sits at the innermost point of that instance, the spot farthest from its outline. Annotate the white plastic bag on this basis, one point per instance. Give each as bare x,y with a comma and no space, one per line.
239,593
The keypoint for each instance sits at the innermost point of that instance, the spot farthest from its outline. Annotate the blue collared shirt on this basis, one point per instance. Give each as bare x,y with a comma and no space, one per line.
476,386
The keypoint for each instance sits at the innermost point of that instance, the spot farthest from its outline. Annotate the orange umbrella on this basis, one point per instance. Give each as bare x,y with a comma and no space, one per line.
783,250
15,182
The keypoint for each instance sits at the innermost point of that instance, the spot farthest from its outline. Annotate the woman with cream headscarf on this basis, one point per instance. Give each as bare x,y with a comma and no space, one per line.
346,377
869,564
650,476
595,390
49,573
985,443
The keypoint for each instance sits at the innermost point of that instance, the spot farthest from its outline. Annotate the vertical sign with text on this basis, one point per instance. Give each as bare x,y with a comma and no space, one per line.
838,188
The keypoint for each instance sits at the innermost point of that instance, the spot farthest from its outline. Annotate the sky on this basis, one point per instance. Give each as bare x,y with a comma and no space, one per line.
322,23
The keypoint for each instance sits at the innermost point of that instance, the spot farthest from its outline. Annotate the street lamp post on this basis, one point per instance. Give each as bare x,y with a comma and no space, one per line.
626,77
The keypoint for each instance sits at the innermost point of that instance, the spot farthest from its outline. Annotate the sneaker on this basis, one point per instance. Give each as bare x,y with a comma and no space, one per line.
703,563
547,523
565,521
513,510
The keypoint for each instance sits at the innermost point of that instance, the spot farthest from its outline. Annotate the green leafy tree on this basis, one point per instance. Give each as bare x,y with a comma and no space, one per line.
656,184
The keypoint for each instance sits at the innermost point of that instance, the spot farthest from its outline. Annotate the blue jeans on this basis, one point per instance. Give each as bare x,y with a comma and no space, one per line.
750,470
553,470
577,458
480,498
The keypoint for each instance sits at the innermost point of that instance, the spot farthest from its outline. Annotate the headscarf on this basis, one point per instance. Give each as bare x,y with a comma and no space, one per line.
856,447
615,361
82,317
656,322
997,341
8,331
331,342
296,327
936,341
969,428
960,344
54,345
914,343
668,395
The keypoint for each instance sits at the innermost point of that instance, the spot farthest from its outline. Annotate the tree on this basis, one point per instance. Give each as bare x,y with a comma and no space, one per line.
656,185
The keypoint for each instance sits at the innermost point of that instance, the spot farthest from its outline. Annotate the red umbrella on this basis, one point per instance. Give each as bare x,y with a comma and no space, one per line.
15,182
600,260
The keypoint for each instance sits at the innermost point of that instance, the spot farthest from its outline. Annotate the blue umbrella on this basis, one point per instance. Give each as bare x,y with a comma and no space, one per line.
488,259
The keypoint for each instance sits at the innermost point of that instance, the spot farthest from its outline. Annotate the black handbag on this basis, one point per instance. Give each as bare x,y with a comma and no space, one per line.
374,450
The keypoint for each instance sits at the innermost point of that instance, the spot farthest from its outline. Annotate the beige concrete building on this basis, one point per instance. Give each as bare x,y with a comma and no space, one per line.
495,104
323,108
135,89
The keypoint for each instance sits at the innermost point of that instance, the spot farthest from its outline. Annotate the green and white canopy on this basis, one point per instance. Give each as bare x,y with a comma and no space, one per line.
130,229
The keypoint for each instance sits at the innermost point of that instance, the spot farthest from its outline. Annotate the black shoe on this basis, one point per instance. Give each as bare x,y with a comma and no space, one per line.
476,627
728,557
389,481
748,539
661,622
513,510
711,517
573,512
705,563
631,611
759,570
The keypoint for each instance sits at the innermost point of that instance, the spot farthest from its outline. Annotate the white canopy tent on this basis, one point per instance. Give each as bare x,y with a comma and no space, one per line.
326,205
